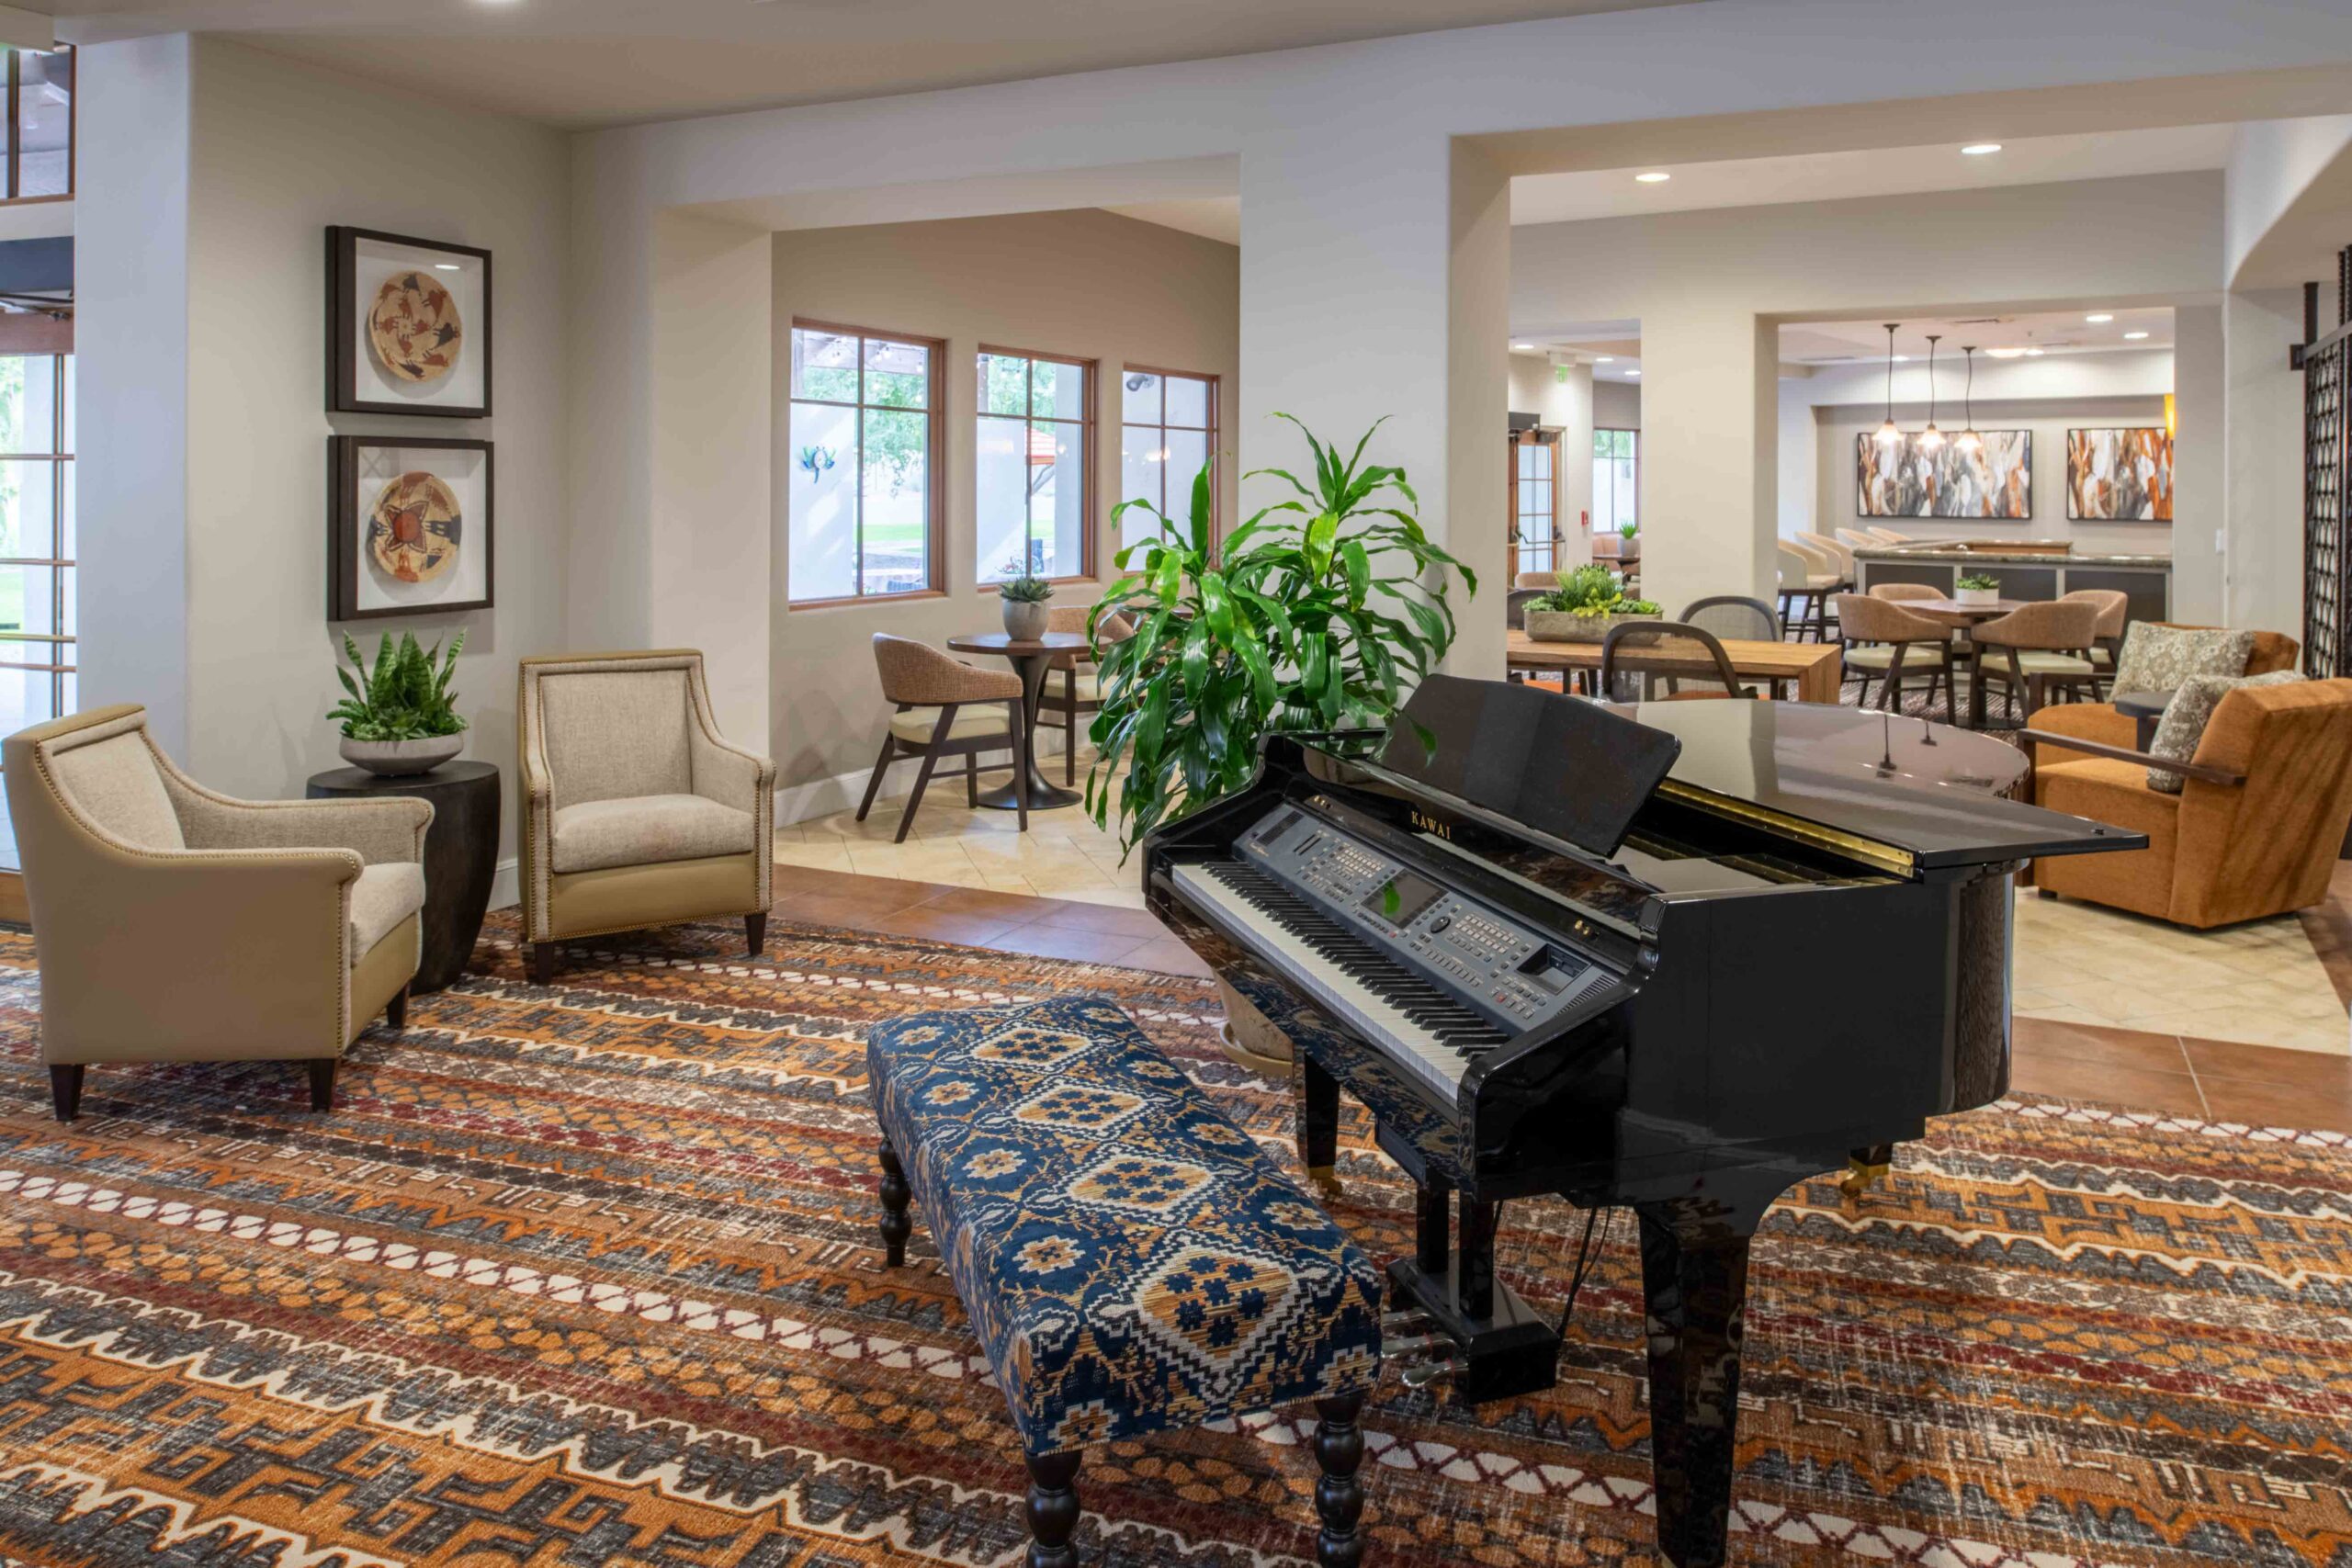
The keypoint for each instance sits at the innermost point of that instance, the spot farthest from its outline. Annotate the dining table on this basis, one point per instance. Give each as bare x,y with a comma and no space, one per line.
1031,657
1964,616
1814,669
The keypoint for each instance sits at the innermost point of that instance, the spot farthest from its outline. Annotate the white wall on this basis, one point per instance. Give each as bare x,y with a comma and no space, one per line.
276,152
2266,460
2272,164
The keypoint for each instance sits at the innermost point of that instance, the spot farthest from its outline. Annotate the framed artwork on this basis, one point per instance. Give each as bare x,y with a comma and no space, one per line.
409,529
408,325
1900,479
2121,475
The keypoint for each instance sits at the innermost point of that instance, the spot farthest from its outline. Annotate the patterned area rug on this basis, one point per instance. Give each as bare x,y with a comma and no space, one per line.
587,1276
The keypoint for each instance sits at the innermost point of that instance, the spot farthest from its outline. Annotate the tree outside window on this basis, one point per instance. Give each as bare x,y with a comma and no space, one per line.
1035,460
866,514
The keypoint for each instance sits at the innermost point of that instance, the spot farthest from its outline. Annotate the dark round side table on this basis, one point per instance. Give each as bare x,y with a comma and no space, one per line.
460,854
2146,708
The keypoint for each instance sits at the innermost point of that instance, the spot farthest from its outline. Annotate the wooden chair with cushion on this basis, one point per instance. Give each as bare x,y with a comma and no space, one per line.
2114,616
2257,825
1905,592
1734,616
2099,722
2036,645
175,924
1669,639
635,812
1075,689
945,709
1894,646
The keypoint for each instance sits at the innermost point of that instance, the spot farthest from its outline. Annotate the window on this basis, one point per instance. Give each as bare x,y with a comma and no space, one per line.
36,614
40,129
867,516
1037,466
1615,472
1167,428
1534,500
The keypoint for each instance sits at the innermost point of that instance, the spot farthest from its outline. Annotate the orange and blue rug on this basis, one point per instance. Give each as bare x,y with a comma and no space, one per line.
587,1276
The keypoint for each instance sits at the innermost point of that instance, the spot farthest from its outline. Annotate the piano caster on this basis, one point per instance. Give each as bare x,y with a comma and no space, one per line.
1865,1168
1325,1180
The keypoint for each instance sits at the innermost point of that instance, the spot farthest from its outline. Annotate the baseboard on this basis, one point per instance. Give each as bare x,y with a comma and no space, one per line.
506,885
824,797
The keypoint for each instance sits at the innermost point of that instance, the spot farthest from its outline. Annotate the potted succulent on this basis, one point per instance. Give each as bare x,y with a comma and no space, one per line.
1024,594
1630,545
1589,601
1979,588
400,717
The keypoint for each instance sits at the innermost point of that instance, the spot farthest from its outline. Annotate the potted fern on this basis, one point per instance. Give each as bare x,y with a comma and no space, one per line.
1024,594
400,717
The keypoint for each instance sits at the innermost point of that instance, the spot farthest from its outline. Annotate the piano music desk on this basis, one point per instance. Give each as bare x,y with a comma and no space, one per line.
1815,668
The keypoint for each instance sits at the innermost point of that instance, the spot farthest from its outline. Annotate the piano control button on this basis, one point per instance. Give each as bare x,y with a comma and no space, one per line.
1440,924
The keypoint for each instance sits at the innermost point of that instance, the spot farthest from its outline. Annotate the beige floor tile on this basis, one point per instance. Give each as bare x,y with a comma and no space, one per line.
831,855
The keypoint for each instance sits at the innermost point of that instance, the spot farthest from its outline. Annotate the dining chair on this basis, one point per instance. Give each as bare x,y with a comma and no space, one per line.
2035,646
1887,642
1543,581
1735,618
1077,689
1807,579
1635,635
2114,618
1899,592
932,692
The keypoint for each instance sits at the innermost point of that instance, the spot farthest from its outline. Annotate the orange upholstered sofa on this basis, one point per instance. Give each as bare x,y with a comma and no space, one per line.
2255,828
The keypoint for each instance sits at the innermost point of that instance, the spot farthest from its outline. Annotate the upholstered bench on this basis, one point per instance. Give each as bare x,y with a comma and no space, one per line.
1129,1260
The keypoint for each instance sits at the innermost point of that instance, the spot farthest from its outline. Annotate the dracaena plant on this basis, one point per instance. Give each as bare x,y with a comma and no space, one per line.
405,697
1322,612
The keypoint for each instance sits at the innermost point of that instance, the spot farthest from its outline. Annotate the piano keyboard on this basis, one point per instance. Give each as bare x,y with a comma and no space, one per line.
1430,1034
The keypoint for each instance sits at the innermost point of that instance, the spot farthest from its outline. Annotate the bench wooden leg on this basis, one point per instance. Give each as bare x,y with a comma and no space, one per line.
895,1194
1338,1496
1053,1511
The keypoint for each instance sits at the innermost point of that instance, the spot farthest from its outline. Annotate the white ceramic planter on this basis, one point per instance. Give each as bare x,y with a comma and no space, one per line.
396,758
1023,621
1977,596
1563,626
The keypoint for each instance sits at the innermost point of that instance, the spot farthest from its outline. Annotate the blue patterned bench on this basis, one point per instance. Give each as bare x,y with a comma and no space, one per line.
1128,1258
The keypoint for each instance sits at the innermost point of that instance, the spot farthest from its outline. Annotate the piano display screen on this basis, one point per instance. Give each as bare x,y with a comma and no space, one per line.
1400,899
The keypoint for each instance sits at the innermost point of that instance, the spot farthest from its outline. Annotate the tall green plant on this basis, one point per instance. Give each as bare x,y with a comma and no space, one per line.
1323,611
405,697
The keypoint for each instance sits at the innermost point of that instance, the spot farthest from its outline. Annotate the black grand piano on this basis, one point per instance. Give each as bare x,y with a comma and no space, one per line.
1550,946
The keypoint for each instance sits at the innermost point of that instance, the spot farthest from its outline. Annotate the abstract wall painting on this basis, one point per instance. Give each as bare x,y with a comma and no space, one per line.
409,526
1903,479
2121,475
408,325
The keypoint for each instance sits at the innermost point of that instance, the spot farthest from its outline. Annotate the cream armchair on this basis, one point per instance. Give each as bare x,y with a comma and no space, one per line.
635,813
173,924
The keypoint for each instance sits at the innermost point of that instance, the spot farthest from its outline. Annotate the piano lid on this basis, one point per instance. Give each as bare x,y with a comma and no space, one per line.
1900,792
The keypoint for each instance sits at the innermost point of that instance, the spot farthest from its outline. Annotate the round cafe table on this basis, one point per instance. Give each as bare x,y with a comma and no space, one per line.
2146,709
1030,660
1966,618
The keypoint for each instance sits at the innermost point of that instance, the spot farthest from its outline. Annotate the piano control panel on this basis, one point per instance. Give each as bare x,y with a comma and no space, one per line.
1507,970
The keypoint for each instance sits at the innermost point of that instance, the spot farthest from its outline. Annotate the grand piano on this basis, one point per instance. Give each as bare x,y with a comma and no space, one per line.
1555,947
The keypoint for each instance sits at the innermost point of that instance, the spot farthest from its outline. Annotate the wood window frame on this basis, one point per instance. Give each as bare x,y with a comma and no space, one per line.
8,196
1214,428
1090,450
1514,544
61,648
935,548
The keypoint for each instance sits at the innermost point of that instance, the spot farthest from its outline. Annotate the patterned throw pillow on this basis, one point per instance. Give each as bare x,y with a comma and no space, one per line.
2190,710
2158,659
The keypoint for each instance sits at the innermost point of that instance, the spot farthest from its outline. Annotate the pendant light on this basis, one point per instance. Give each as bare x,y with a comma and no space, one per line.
1968,443
1889,432
1931,439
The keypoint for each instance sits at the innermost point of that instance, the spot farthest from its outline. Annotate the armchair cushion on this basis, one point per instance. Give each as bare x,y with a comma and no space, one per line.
617,734
2158,658
2182,728
647,830
384,896
115,784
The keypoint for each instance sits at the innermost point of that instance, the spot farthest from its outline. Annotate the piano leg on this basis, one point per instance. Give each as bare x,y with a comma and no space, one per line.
1432,1224
1476,1280
1319,1127
1695,1285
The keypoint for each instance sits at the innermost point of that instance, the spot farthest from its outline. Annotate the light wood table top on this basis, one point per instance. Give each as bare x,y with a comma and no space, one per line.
1817,668
1952,613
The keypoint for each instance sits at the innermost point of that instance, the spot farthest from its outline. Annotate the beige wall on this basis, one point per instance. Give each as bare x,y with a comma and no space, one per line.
1084,283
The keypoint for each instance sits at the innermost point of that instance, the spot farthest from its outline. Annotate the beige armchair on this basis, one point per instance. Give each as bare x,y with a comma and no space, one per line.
635,812
173,924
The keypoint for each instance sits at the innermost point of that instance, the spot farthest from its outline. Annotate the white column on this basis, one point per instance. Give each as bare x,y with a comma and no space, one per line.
1710,454
2199,466
1374,276
2265,424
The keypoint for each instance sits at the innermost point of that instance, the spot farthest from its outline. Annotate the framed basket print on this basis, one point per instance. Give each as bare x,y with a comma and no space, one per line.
408,325
410,526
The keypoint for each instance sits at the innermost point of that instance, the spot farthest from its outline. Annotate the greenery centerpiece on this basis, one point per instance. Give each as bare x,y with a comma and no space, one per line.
1023,595
1589,601
1979,588
400,717
1322,612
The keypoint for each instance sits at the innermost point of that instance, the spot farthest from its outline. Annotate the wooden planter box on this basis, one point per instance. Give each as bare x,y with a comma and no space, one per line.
1563,626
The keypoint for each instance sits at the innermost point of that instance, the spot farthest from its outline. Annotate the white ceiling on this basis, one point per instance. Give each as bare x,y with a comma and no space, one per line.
1211,217
1835,343
1885,171
584,62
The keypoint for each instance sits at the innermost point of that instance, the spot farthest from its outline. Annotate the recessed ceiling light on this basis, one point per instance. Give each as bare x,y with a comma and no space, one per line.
2098,318
1634,374
1978,149
1605,359
445,267
2133,337
1655,177
1900,359
1523,347
2004,353
2033,353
